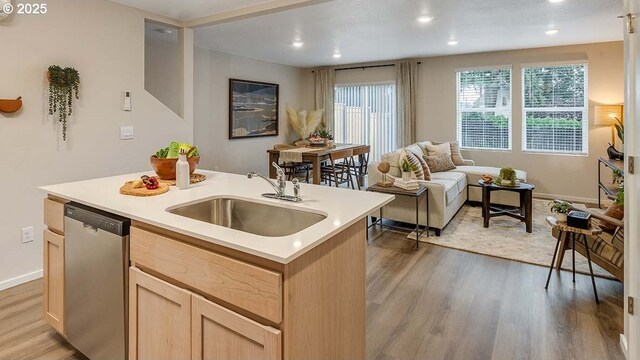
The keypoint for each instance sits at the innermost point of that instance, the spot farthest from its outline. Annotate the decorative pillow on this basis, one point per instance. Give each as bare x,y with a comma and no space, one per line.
456,156
418,173
417,151
440,163
443,148
393,158
614,211
423,145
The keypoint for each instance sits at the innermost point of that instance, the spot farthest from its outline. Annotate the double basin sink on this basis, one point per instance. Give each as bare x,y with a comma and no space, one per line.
248,216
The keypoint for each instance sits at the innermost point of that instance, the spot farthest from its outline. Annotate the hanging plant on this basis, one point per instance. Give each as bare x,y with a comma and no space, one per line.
63,86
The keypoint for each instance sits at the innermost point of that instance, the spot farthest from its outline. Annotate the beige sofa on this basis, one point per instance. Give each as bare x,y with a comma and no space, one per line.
448,191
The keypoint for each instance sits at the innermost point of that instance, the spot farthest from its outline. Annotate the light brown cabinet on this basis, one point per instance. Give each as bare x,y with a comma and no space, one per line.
159,318
53,264
167,322
219,333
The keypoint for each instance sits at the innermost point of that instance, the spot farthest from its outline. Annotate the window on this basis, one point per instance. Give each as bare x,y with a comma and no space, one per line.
484,109
366,114
555,109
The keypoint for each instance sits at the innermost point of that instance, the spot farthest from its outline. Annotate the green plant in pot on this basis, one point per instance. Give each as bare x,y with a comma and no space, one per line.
324,133
63,87
561,208
407,168
507,177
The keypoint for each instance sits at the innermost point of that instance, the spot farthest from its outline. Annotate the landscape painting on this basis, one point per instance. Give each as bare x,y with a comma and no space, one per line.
253,109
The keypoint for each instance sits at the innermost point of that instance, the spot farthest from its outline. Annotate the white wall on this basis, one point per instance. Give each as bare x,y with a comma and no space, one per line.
162,71
571,177
105,43
212,71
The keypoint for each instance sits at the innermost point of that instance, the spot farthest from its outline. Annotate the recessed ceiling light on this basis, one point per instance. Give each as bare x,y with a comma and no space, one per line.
424,19
452,42
164,31
551,31
555,1
297,43
337,56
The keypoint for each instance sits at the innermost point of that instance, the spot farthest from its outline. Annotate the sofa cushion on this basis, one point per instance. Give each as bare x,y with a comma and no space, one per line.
453,182
417,151
456,155
393,158
423,145
439,149
412,159
439,163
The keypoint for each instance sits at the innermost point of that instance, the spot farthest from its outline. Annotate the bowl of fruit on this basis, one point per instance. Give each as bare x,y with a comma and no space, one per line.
164,161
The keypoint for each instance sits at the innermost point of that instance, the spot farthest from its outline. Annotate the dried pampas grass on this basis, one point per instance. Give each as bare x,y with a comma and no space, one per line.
304,125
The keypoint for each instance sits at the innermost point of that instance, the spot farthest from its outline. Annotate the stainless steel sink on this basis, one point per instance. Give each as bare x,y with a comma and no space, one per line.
248,216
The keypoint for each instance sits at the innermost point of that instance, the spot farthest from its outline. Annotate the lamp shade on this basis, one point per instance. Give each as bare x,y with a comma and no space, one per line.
605,115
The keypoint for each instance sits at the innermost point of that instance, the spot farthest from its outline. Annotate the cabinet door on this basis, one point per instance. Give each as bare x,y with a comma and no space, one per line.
159,319
53,274
219,333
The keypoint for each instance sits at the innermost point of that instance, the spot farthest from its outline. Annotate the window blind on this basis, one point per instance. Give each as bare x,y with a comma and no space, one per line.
366,114
484,109
555,109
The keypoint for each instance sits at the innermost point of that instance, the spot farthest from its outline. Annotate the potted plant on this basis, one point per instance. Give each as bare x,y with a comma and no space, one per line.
561,209
326,135
407,168
63,87
507,177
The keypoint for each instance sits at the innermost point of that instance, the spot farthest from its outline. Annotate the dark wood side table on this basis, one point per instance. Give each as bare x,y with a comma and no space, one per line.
524,213
417,194
573,234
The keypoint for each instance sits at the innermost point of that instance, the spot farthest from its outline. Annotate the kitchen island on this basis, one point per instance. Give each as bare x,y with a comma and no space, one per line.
199,290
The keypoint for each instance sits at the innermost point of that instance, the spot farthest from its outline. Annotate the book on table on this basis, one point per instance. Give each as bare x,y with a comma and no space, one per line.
407,185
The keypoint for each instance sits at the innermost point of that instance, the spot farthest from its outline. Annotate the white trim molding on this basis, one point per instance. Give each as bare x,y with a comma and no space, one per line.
19,280
580,200
624,346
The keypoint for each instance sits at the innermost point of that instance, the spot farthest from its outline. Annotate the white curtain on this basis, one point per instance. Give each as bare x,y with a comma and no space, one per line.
407,85
325,80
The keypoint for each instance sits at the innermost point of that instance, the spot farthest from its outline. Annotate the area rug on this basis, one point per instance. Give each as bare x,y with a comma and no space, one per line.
506,238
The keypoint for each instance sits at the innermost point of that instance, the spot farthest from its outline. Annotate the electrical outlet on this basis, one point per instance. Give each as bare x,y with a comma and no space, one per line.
126,132
27,234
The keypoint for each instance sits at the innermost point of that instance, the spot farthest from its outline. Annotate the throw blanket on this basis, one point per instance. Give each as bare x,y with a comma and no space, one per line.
293,155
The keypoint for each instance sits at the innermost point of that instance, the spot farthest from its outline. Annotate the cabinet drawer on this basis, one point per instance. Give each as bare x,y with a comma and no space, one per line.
54,215
247,286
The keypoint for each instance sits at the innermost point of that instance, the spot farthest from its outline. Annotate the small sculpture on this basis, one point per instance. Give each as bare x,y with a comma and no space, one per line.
614,154
384,168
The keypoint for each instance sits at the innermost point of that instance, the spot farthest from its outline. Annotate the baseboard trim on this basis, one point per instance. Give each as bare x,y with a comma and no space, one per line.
624,346
19,280
564,197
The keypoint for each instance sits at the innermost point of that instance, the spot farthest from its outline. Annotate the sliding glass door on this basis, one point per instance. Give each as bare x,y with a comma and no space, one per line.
366,114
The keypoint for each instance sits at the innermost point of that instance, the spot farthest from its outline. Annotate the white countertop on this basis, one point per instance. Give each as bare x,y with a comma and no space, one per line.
343,207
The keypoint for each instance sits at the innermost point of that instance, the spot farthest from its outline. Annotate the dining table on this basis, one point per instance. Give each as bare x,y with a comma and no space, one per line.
314,155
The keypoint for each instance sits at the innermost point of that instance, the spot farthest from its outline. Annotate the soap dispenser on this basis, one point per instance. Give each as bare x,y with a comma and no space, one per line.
182,171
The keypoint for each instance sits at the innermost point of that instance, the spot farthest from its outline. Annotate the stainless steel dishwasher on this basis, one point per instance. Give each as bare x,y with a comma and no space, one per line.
96,261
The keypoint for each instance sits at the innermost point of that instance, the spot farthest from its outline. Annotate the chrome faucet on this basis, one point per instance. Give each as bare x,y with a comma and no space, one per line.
279,185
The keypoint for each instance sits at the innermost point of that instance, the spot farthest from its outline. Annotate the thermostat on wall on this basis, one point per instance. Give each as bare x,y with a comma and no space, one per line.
127,101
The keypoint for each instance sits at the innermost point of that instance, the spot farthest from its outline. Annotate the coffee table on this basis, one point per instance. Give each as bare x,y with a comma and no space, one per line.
523,213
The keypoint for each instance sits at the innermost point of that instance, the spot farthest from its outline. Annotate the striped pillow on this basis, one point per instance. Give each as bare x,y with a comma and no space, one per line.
418,173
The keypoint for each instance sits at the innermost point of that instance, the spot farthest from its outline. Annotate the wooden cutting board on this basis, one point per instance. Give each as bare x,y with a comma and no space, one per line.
128,189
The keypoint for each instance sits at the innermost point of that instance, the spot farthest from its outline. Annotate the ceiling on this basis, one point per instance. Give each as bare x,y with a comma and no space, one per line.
188,9
377,30
373,30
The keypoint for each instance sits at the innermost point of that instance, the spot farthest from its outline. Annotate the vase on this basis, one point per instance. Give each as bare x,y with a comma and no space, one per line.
561,217
406,175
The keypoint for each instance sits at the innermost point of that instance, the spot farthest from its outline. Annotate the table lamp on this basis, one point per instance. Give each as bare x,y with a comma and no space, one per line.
608,115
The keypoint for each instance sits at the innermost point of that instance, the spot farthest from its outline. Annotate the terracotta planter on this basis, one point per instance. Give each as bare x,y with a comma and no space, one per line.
10,106
166,168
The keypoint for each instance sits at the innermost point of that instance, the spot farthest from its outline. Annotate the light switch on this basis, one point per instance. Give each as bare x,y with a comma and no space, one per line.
126,132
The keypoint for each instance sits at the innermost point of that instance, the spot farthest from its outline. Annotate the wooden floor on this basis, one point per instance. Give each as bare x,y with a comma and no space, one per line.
434,303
